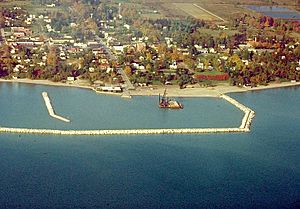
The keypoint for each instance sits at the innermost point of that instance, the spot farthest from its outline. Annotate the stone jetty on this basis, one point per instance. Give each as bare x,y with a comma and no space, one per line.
244,127
249,114
122,132
50,108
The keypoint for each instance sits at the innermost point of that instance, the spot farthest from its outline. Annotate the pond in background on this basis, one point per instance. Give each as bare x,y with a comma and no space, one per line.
276,12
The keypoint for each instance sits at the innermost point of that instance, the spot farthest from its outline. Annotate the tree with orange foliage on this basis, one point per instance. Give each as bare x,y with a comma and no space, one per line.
127,70
52,56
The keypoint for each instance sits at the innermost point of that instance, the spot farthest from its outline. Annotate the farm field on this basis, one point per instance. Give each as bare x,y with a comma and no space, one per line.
223,8
225,11
195,11
210,11
171,11
234,2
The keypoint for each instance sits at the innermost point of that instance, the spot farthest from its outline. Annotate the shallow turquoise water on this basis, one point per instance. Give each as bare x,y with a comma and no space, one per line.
259,169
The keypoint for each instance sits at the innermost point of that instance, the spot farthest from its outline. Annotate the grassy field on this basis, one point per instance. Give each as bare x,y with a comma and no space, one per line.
15,3
153,16
171,12
222,8
216,33
151,11
194,11
225,11
211,11
204,9
234,2
29,6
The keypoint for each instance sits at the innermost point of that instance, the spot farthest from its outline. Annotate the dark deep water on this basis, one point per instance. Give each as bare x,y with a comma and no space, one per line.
259,169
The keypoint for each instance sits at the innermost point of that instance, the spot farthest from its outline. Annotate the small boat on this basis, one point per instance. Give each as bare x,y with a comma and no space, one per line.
165,102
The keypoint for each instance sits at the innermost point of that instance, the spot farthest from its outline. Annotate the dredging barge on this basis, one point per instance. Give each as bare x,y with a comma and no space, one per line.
165,102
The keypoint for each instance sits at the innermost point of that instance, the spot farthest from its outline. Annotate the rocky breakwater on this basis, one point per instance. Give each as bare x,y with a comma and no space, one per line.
249,114
121,132
50,108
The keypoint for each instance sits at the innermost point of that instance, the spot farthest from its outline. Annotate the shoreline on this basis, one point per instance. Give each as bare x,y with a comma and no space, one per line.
210,92
45,82
173,91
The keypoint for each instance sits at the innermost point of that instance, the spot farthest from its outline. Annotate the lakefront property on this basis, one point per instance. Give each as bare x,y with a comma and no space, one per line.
149,104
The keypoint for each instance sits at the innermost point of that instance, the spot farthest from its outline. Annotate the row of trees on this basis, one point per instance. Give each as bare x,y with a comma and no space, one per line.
267,67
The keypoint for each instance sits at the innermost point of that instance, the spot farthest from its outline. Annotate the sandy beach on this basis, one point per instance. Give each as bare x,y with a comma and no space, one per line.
47,82
216,91
173,91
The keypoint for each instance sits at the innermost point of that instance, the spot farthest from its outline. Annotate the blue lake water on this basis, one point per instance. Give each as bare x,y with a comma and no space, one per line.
259,169
25,107
276,11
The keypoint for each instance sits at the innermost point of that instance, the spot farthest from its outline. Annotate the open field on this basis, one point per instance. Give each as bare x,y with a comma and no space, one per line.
216,33
195,11
153,16
28,5
205,10
225,11
171,11
234,2
15,3
148,11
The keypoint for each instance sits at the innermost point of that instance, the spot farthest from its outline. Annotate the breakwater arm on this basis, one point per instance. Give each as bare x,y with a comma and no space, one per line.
122,132
50,108
249,114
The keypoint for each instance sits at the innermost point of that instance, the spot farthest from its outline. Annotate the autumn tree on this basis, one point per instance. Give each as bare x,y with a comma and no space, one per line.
148,67
52,56
90,26
127,70
235,61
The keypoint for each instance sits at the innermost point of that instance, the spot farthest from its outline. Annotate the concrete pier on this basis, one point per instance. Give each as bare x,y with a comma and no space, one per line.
51,110
244,127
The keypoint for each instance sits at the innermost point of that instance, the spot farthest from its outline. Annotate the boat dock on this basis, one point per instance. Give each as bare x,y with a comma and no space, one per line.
51,110
244,127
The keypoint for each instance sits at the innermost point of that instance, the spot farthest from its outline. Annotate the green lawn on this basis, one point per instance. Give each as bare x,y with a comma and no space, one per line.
153,16
216,33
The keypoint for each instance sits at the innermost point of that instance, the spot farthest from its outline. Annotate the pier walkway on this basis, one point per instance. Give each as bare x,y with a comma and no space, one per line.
51,110
244,127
